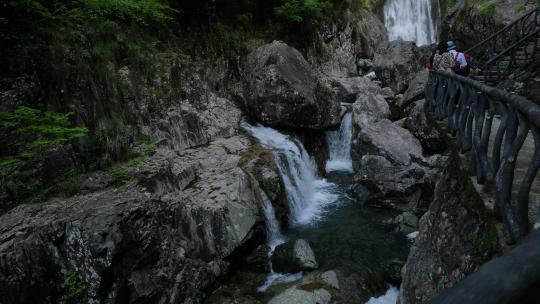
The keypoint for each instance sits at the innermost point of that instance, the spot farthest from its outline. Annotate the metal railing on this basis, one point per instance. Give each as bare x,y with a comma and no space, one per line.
517,56
470,108
499,41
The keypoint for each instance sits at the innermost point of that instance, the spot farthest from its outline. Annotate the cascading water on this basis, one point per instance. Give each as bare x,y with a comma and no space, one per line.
274,238
339,146
307,193
410,20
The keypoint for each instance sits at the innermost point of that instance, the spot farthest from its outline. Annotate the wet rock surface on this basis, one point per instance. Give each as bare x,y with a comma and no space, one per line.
282,90
294,256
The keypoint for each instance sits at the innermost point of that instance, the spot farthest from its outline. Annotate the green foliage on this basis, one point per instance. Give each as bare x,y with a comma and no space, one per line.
119,176
298,11
74,291
487,10
37,131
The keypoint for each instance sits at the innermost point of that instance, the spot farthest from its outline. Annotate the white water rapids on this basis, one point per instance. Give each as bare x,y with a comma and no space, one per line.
410,20
307,193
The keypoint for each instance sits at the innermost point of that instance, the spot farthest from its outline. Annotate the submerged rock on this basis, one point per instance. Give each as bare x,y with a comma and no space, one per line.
397,62
282,90
294,256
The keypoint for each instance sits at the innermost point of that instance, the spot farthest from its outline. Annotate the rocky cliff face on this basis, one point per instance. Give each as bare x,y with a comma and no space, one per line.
137,244
344,42
457,235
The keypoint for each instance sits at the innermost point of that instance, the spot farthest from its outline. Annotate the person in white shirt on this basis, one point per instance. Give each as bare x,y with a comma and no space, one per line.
459,58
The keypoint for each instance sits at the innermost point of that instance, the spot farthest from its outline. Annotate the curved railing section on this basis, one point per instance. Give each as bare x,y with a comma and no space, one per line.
509,35
470,109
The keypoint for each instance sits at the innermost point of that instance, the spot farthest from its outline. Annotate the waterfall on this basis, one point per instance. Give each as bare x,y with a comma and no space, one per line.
339,146
273,239
273,233
307,193
410,20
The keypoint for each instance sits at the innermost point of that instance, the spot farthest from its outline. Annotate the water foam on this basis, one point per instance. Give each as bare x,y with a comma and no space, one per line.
390,297
307,193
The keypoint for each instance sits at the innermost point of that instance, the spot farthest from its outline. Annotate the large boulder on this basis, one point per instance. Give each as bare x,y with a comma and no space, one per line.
457,235
386,139
345,41
282,90
405,187
425,130
294,256
397,62
369,108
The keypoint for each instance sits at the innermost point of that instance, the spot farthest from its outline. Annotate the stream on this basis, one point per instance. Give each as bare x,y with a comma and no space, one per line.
343,233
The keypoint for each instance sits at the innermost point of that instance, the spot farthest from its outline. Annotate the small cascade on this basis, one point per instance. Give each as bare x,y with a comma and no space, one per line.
307,193
273,232
339,146
410,20
273,239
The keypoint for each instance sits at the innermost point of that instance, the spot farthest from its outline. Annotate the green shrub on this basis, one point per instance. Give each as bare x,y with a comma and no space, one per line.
35,131
119,175
74,291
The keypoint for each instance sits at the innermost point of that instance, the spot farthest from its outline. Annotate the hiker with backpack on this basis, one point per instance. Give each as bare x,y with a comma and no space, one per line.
442,59
461,60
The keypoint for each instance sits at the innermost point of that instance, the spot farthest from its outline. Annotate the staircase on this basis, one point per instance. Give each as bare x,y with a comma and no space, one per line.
512,48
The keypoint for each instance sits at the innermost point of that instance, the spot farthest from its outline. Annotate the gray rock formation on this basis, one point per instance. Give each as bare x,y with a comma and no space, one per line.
457,235
425,130
344,42
349,89
403,187
300,296
416,89
387,139
131,243
368,109
294,256
397,62
282,90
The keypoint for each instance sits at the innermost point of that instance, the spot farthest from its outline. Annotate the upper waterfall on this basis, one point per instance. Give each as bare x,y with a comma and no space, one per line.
410,20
